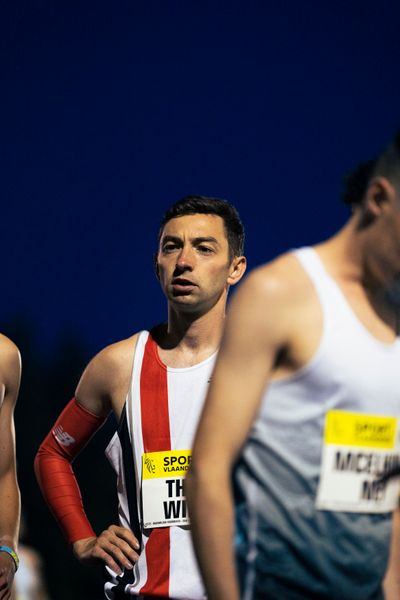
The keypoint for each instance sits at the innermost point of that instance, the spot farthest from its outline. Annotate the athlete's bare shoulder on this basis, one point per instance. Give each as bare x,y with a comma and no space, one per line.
282,279
117,356
8,350
272,305
105,381
10,364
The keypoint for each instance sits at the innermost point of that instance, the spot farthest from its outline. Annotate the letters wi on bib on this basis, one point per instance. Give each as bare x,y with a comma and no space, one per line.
164,503
358,450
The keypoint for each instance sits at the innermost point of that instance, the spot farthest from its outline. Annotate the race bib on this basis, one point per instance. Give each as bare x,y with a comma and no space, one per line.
164,504
358,450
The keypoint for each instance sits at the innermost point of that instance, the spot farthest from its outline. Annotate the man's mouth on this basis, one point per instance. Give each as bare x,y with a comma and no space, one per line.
180,285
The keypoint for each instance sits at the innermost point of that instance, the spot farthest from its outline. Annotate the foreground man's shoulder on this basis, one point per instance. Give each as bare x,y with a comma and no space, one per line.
282,278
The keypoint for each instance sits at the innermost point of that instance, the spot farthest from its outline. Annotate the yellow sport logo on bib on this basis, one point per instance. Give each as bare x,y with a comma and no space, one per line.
358,450
164,503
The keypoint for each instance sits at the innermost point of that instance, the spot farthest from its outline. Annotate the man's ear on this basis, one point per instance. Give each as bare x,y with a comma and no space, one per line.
379,195
237,269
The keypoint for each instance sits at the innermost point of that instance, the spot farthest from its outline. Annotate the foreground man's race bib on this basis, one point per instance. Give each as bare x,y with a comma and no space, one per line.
164,503
358,450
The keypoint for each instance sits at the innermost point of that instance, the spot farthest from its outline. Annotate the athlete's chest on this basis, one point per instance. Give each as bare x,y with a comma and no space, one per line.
166,402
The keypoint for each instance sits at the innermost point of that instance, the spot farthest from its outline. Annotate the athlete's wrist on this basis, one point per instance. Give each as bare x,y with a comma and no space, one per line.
12,554
82,547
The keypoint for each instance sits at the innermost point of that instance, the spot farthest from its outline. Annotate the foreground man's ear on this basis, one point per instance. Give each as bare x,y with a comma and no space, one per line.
379,195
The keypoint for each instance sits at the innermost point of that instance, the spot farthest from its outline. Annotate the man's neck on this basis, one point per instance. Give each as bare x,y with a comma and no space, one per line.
189,339
345,257
349,259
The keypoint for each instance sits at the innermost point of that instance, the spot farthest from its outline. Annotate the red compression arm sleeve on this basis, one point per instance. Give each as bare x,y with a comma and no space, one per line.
71,432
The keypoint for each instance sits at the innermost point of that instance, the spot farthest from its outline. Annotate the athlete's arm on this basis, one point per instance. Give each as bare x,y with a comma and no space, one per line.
254,335
392,579
10,373
102,388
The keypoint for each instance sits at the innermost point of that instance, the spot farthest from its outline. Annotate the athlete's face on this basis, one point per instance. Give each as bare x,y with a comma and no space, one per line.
193,262
384,254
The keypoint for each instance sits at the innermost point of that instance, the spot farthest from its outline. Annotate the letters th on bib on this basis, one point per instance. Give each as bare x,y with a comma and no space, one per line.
164,503
358,450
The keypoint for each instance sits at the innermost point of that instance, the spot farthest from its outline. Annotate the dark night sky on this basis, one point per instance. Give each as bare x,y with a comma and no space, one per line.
113,110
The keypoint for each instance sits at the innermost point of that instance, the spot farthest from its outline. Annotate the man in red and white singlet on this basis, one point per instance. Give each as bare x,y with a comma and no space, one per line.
155,382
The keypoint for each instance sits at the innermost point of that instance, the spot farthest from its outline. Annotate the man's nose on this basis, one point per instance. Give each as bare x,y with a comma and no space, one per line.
184,260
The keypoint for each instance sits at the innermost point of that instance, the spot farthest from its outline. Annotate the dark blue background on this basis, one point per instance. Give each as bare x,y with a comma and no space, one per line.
113,110
110,111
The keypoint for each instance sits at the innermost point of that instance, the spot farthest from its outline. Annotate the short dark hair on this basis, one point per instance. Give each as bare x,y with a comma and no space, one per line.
191,205
386,164
356,182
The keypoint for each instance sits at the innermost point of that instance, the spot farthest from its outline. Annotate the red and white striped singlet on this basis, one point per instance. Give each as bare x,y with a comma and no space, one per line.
160,415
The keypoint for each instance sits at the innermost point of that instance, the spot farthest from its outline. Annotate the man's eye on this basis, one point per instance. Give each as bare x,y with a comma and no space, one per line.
169,247
205,249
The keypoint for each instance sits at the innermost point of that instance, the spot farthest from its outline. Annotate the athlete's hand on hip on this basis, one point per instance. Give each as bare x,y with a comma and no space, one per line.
7,572
116,547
